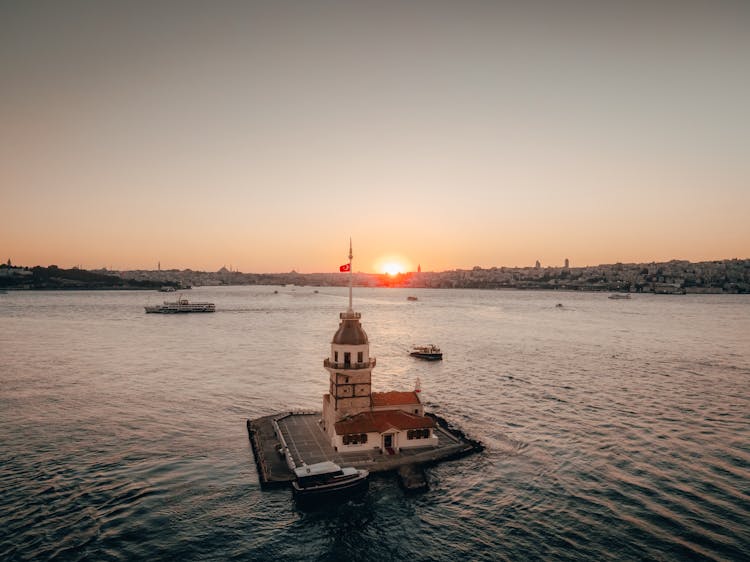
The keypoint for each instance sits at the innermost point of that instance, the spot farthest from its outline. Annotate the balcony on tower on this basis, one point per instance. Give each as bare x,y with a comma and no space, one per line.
369,364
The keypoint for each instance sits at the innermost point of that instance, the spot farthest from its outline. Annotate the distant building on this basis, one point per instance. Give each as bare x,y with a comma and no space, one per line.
567,263
537,265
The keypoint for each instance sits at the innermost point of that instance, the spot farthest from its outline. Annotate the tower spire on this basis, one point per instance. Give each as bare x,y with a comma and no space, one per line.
350,275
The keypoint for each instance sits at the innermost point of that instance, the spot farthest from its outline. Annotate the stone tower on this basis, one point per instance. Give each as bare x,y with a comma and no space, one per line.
349,367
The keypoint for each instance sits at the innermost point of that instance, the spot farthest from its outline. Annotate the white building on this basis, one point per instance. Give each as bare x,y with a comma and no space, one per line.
354,417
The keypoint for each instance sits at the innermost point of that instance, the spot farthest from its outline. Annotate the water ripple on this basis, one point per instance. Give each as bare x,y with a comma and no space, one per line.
612,432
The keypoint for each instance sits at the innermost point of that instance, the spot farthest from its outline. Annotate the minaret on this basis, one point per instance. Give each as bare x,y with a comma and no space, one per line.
349,367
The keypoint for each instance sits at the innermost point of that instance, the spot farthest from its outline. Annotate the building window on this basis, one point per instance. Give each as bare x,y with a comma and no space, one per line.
418,434
416,411
335,356
347,358
346,380
360,357
355,438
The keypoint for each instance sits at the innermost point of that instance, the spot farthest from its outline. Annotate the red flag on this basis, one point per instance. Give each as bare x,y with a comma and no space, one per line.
345,267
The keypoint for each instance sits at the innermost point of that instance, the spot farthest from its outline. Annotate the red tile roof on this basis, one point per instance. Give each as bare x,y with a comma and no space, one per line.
394,398
371,422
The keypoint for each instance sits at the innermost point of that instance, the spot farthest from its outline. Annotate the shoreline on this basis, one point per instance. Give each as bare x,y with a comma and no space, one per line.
677,292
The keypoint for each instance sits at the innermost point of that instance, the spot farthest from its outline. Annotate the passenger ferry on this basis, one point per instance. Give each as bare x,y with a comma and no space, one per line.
181,305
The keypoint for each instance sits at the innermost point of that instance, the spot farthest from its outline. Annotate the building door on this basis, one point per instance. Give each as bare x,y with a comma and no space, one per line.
387,441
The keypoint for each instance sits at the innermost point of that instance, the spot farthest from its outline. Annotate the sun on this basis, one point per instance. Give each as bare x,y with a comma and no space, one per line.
392,268
392,265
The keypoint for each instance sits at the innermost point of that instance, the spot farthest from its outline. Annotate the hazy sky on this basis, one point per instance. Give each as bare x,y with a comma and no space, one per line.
451,134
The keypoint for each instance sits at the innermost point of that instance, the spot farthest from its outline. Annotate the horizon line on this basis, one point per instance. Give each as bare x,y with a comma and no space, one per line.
294,271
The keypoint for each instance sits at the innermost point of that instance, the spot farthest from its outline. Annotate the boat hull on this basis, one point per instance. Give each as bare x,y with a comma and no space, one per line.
160,310
427,356
332,490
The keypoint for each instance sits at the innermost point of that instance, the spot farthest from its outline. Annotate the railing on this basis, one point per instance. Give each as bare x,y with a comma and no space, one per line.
284,448
363,365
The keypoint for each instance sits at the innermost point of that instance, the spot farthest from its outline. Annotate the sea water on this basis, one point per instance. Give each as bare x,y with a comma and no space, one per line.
614,430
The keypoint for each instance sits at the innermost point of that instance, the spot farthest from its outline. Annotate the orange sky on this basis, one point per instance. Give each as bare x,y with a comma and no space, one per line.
449,135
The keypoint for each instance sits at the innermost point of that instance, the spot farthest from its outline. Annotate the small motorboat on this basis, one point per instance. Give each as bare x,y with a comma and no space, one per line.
411,298
325,479
618,296
430,352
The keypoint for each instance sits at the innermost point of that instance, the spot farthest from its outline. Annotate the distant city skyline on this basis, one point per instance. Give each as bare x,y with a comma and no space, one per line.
378,269
447,134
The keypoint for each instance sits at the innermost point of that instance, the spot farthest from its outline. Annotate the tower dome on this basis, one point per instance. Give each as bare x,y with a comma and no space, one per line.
350,330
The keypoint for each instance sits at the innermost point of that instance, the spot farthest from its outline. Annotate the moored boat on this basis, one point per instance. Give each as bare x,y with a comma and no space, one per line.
430,352
617,296
325,479
181,305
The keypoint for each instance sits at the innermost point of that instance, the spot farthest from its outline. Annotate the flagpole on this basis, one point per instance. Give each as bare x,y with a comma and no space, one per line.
350,274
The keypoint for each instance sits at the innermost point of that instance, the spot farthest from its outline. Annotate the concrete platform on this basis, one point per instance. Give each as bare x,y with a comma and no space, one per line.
283,440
